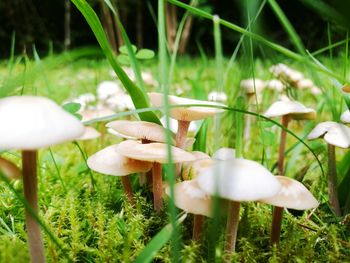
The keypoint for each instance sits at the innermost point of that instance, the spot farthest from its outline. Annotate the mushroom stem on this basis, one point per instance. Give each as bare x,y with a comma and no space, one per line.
128,189
36,247
231,229
157,187
276,224
198,221
282,148
332,181
145,177
182,133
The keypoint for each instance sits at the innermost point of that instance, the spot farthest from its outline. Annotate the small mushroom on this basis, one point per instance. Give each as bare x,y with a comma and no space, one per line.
237,180
139,130
28,124
274,84
185,115
293,195
157,153
287,110
218,96
190,198
109,162
335,134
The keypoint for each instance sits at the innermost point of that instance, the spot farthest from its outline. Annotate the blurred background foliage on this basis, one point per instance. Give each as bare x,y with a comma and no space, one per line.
58,24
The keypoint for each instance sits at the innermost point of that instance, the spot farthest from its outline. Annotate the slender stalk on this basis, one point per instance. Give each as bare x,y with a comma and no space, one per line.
231,229
332,181
198,221
145,177
282,148
36,246
157,187
128,189
181,134
276,224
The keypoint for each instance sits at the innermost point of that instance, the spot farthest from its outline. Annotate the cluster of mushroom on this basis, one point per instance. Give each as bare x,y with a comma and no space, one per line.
293,78
145,147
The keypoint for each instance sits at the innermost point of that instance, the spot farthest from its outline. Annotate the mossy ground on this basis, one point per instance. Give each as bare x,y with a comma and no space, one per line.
97,225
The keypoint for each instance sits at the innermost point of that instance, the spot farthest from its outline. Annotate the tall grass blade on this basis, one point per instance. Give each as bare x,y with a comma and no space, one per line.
164,87
138,97
288,27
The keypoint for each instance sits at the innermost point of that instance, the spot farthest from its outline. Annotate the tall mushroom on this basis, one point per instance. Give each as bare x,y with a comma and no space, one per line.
184,115
292,194
237,180
156,153
108,161
335,134
29,123
287,110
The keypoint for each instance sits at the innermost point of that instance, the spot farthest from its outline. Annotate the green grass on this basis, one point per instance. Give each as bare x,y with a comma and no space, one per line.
98,226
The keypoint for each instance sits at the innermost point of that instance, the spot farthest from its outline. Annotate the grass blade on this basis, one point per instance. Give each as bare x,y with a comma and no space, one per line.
138,97
288,27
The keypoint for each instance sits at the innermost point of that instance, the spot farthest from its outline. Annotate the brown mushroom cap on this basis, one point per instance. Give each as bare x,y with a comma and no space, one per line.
152,152
333,133
190,198
109,161
292,194
186,113
294,109
139,130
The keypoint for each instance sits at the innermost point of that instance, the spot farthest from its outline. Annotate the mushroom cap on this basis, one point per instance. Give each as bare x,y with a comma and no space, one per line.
333,133
190,198
218,96
107,89
274,84
345,117
109,161
152,152
9,169
305,84
186,113
224,153
292,194
90,114
31,123
249,86
238,180
294,109
139,130
90,133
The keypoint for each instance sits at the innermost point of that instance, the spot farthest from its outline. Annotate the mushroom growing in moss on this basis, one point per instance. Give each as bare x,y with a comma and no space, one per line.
157,153
293,195
287,110
108,161
335,134
237,180
30,123
184,115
